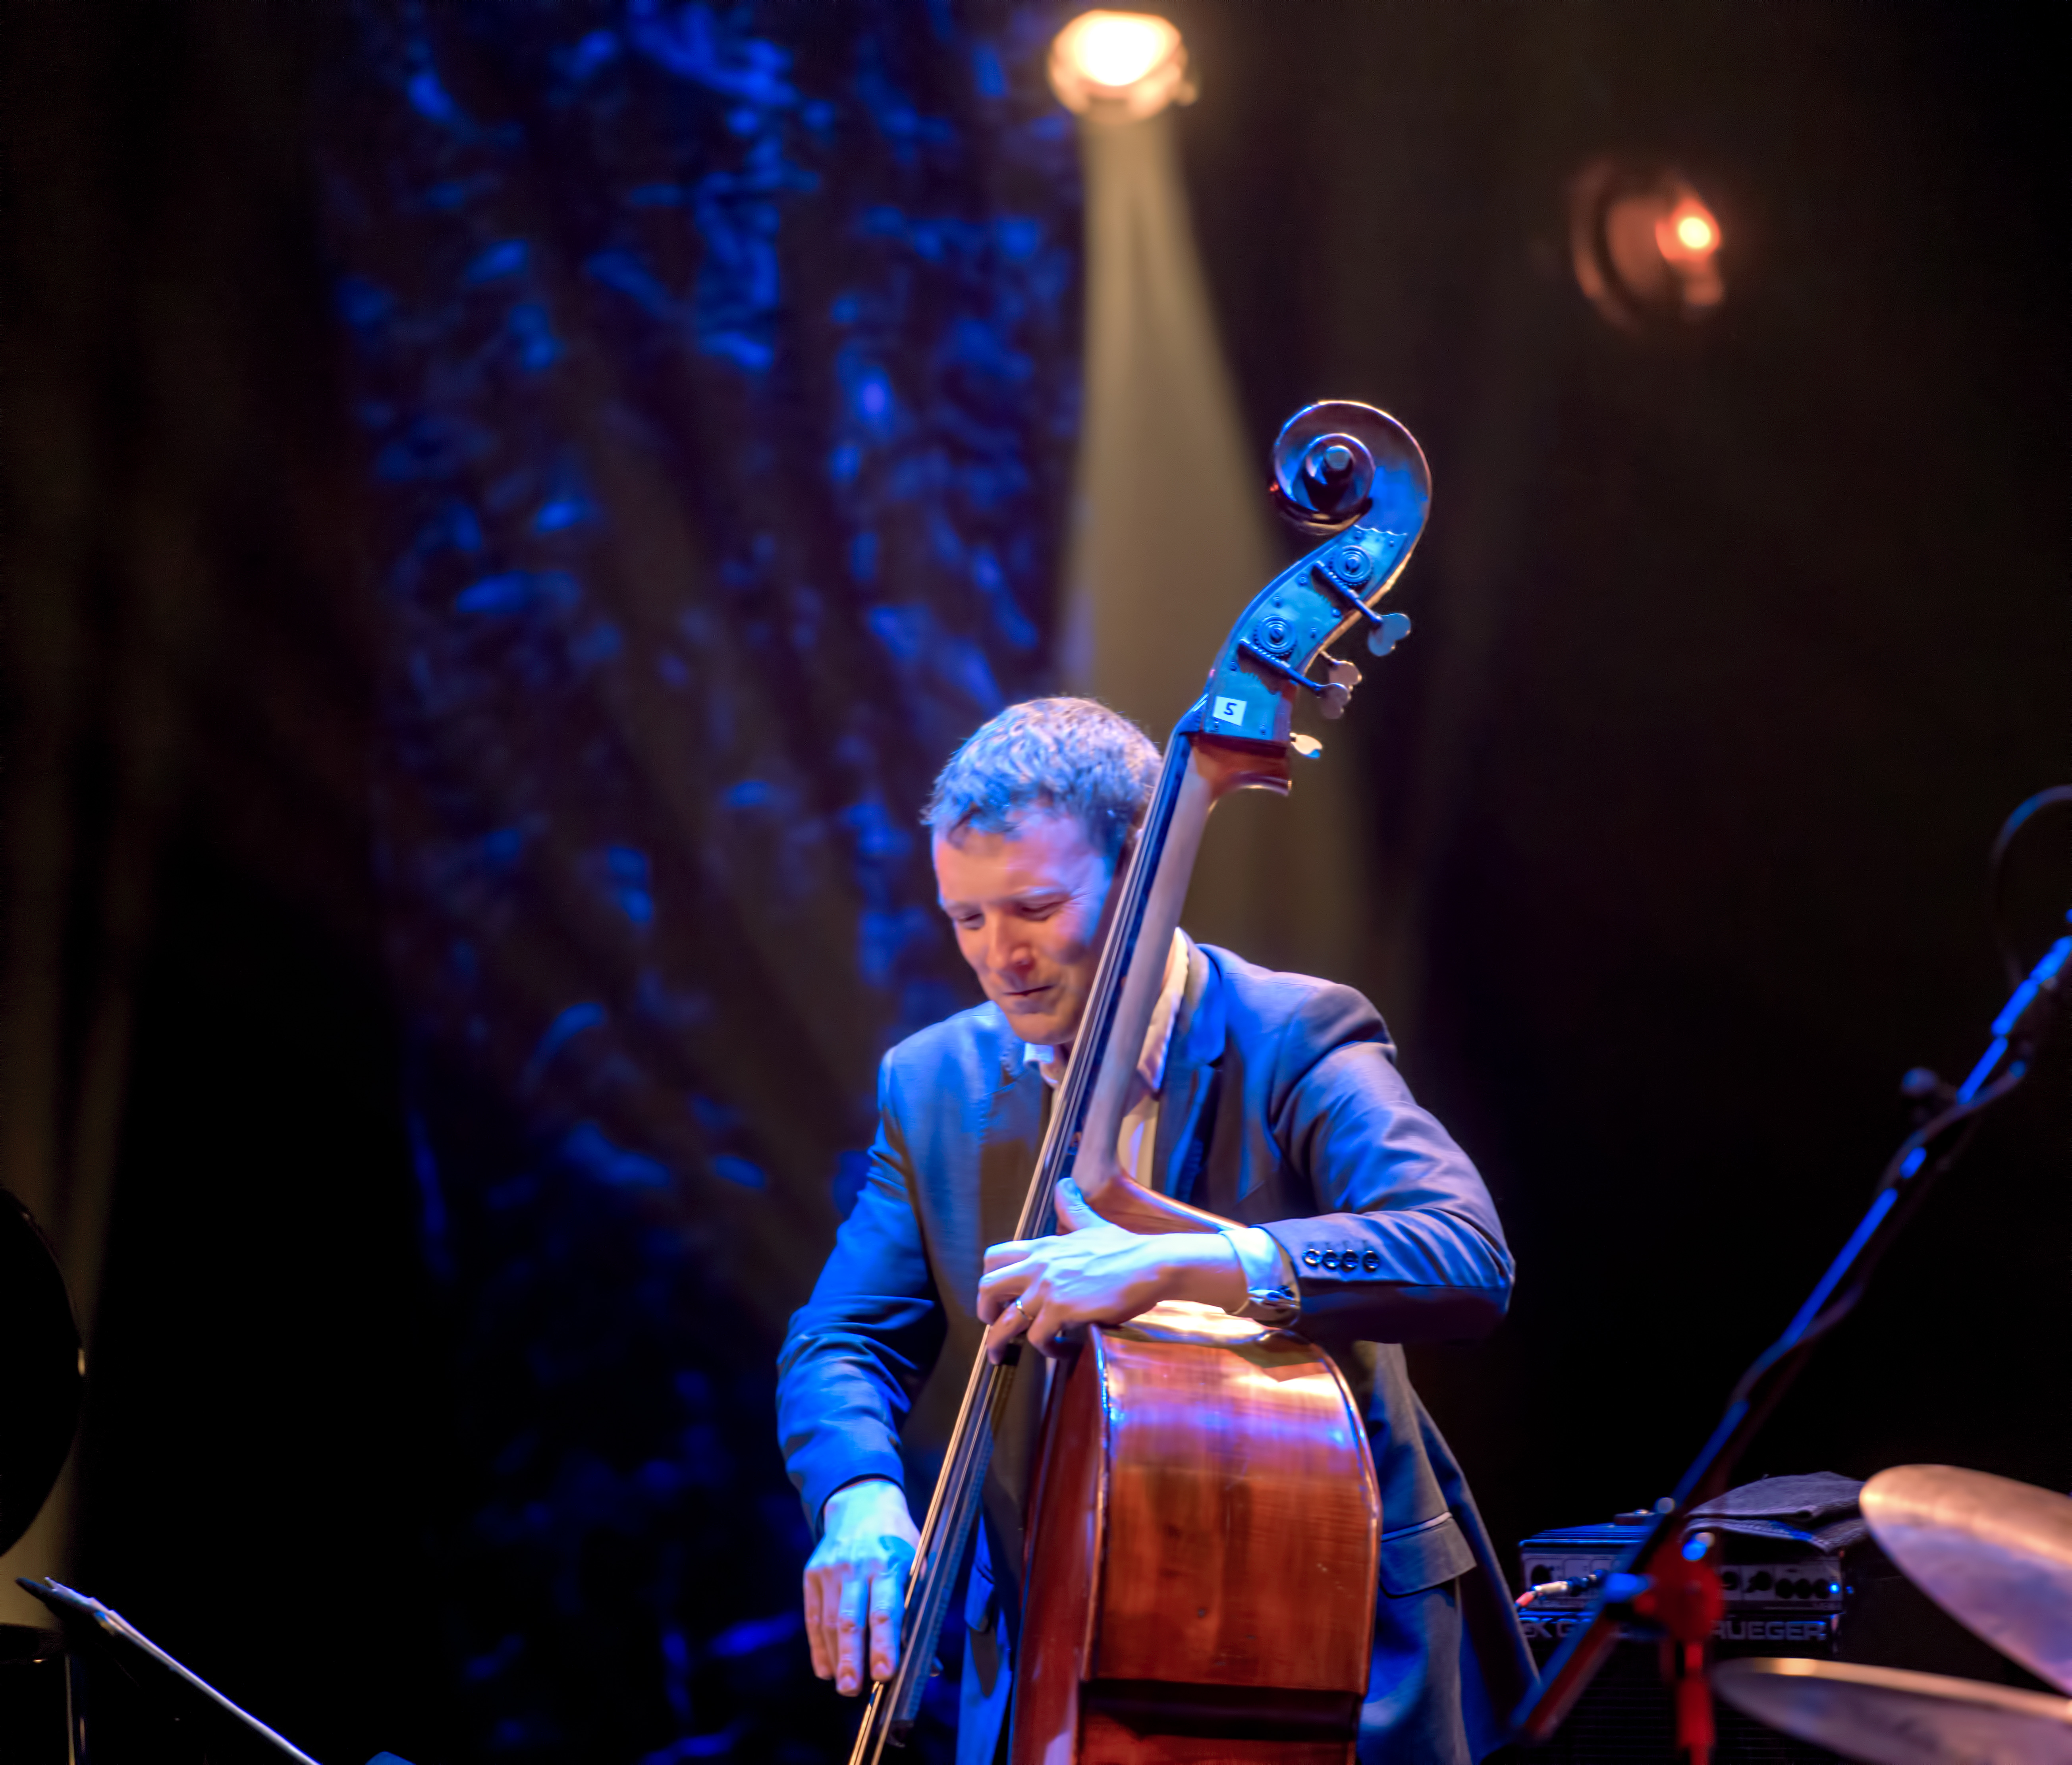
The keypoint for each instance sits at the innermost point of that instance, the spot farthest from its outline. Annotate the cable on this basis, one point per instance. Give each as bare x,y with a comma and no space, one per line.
2055,796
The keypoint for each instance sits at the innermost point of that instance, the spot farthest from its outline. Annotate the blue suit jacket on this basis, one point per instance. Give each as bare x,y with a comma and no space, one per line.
1282,1107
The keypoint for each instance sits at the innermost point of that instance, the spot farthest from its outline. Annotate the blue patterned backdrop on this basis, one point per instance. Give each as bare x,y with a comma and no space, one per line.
716,370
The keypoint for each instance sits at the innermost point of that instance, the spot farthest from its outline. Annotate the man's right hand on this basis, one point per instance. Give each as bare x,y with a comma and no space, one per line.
857,1576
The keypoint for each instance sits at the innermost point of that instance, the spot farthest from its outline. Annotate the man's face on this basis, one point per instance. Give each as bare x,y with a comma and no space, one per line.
1027,905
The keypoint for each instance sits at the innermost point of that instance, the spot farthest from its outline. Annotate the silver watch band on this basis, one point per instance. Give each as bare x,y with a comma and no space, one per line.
1271,1294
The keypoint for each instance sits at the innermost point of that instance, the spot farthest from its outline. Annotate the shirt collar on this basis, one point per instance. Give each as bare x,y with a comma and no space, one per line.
1157,1035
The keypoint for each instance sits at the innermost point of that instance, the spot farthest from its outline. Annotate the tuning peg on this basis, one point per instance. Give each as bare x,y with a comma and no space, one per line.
1307,745
1342,673
1332,702
1389,631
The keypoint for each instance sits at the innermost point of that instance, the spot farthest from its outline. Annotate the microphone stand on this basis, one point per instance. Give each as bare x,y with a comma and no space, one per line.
1669,1582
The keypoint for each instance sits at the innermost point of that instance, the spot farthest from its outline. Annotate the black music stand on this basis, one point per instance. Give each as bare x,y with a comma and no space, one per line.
89,1624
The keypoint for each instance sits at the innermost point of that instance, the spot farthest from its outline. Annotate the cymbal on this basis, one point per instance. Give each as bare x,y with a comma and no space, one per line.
1890,1718
1996,1554
41,1376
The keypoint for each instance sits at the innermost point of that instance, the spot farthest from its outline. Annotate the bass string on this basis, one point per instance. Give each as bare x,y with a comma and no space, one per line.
894,1705
924,1617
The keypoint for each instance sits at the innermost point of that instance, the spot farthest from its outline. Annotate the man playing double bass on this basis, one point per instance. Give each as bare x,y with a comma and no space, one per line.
1271,1100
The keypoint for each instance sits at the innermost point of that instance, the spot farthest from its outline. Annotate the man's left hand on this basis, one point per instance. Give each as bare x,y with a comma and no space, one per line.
1096,1272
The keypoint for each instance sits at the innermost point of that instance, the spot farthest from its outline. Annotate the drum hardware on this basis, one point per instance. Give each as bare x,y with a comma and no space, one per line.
42,1379
1658,1578
1881,1714
43,1707
43,1370
1802,1574
1996,1554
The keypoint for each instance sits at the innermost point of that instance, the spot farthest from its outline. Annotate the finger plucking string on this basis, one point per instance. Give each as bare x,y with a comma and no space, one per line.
816,1640
1000,1287
1038,1335
1012,1320
855,1594
886,1605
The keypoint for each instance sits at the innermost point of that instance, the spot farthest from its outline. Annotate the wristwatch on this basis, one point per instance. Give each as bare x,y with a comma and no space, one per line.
1270,1296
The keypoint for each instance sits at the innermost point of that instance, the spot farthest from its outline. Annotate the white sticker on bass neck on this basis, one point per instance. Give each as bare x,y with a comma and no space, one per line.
1230,710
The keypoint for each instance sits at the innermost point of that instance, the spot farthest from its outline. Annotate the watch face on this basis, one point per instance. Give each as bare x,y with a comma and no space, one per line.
1274,1305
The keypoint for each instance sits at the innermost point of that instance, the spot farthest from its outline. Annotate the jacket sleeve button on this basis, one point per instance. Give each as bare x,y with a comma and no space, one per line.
1371,1261
1310,1259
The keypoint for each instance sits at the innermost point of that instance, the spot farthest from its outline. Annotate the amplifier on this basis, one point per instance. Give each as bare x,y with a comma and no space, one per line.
1781,1598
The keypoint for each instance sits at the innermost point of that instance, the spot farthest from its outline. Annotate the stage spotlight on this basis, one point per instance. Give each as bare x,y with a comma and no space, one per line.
1645,246
1693,235
1120,66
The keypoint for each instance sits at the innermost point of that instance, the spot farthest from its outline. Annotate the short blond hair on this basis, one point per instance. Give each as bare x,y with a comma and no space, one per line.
1070,755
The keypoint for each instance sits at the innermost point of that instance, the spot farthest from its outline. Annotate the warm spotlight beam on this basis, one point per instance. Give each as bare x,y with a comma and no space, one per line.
1171,537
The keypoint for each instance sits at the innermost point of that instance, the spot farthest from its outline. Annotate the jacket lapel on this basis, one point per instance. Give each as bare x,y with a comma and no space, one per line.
1008,1145
1189,1092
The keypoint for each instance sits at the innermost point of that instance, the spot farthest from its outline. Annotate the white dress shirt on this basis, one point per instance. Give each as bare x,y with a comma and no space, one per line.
1272,1295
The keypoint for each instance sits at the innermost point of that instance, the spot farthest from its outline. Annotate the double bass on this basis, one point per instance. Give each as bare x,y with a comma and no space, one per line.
1204,1526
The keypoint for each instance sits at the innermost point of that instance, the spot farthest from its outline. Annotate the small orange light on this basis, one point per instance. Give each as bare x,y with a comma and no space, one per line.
1687,233
1645,245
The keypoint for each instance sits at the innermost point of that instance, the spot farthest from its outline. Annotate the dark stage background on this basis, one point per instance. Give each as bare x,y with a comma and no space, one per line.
508,504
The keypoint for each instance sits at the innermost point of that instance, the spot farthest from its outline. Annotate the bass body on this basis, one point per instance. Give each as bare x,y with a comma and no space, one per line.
1204,1527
